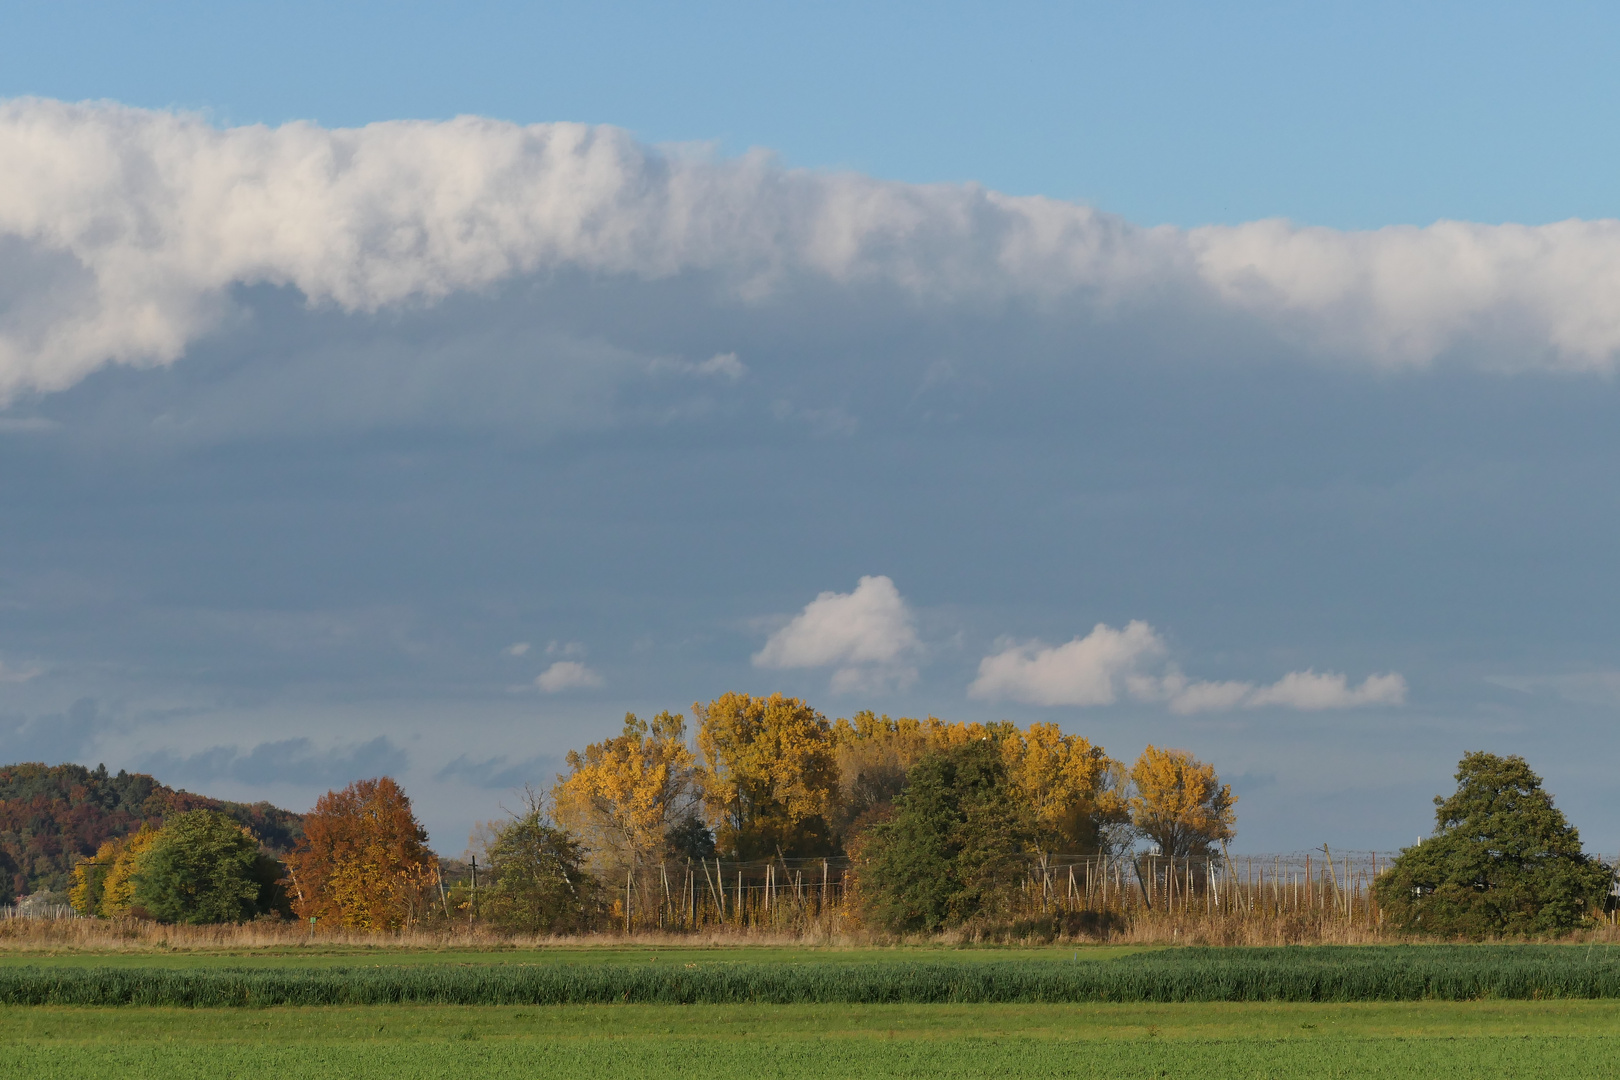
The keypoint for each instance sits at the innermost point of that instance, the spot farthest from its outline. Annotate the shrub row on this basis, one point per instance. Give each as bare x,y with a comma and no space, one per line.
1322,974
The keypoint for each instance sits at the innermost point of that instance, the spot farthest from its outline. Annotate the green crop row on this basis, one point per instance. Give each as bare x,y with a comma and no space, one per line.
1347,974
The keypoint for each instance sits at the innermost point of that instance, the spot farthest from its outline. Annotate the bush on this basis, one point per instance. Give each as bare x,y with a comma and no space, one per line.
540,886
1503,860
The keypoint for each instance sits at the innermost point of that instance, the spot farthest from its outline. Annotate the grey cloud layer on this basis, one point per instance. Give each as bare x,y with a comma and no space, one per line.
124,230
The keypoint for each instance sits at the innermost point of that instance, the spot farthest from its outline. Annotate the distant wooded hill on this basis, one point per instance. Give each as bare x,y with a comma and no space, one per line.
51,816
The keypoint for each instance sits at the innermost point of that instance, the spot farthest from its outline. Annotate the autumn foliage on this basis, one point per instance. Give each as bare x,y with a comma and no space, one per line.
1179,803
622,796
364,861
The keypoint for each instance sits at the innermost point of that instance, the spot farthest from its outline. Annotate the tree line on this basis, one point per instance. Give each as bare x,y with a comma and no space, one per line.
768,777
934,818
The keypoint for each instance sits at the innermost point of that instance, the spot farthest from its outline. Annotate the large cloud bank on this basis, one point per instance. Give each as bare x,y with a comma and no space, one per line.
122,232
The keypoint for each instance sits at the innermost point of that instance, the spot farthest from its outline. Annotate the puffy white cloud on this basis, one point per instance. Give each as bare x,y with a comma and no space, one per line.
1086,671
122,232
1108,664
869,635
517,648
567,675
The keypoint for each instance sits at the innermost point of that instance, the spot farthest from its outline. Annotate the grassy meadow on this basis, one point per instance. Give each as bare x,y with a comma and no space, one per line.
1431,1039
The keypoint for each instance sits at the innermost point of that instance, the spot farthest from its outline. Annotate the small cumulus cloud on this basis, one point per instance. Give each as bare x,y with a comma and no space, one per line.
1108,664
1085,671
868,636
567,675
517,648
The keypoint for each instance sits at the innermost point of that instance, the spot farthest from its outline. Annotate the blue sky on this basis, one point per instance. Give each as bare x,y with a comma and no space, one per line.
434,448
1352,115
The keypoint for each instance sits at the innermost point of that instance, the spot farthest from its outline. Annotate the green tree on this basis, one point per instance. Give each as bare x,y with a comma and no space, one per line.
203,867
540,883
1503,860
953,848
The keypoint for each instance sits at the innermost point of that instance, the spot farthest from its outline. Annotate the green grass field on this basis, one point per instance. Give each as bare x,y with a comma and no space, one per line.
1427,1039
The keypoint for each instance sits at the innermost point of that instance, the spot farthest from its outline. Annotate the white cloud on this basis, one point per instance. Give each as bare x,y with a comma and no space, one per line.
1197,697
1108,664
124,230
869,635
567,675
1328,690
517,648
1086,671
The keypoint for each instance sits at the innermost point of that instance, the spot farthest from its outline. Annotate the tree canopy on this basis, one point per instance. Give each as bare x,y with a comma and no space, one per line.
625,795
364,861
1502,860
1180,804
768,774
540,882
950,852
202,866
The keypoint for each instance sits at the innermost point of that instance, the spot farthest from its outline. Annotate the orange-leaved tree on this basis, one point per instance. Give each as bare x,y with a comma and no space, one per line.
1179,803
364,861
769,775
622,796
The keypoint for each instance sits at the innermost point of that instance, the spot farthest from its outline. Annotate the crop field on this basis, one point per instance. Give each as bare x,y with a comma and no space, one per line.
1433,1011
1430,1039
1299,974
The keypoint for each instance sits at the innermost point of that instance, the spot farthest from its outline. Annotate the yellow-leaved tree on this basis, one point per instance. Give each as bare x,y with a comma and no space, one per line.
622,796
1180,804
105,885
769,775
1075,791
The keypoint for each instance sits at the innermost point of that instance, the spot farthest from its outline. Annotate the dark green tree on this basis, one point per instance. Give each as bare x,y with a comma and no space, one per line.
1503,860
540,884
205,867
952,851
